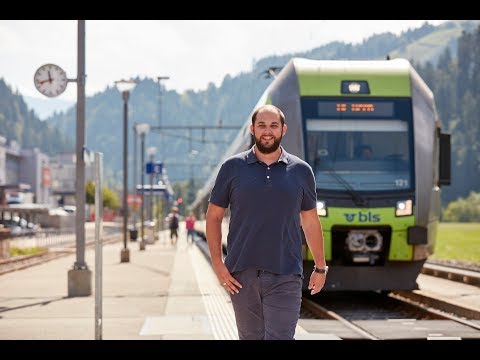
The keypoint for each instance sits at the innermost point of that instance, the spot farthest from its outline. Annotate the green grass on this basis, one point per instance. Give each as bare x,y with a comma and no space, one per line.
458,241
429,47
14,251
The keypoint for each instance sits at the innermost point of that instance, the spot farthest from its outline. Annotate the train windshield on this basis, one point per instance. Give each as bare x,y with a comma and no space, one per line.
362,144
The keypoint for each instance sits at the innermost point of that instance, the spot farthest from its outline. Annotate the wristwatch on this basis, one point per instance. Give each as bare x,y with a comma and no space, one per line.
323,270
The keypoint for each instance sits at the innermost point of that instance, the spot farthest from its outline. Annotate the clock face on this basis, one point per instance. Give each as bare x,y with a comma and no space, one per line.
50,80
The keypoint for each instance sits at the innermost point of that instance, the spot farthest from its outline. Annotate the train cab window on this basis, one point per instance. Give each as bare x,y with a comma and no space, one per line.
364,152
368,153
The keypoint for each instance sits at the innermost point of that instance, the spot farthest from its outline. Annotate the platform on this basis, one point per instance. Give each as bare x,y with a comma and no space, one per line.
164,293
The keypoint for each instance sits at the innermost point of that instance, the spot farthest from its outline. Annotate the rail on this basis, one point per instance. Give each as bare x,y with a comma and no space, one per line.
451,273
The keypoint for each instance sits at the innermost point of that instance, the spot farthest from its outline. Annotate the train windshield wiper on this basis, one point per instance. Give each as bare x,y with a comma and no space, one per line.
356,197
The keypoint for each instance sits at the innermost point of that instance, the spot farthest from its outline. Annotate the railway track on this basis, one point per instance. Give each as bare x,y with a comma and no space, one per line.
454,273
375,316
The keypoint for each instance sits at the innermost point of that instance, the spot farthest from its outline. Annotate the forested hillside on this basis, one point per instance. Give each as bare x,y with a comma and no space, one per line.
455,82
19,123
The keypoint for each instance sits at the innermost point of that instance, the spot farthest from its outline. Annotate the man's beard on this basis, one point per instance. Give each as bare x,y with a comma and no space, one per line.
268,150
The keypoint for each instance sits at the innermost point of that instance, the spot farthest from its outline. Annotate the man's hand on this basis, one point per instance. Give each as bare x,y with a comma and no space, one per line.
226,279
316,282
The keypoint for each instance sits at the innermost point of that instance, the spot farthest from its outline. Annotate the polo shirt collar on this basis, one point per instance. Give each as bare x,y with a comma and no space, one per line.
252,158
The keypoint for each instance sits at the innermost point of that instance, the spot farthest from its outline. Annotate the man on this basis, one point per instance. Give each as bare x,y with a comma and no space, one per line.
173,225
271,193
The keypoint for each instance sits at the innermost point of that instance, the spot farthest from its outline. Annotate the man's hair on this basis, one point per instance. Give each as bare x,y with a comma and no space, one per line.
272,107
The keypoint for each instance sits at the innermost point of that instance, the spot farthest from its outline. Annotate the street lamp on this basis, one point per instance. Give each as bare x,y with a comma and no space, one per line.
142,129
125,86
151,151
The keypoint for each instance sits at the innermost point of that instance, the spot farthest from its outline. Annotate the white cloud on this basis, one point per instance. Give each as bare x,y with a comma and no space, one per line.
192,53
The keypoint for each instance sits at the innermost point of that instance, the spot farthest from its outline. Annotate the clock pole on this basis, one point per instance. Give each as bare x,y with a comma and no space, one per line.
80,277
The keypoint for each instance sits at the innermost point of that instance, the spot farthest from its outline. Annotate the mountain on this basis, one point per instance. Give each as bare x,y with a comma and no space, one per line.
46,107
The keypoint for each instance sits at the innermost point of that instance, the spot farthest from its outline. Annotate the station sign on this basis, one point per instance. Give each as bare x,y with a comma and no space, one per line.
147,189
154,168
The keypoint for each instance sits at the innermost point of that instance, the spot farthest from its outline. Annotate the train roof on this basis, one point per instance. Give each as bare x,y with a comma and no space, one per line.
364,66
385,77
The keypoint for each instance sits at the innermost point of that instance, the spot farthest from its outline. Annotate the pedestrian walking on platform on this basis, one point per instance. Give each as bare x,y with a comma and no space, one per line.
173,225
272,197
190,226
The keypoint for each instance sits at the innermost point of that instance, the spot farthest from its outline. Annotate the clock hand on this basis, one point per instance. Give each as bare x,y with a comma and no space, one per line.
43,81
49,76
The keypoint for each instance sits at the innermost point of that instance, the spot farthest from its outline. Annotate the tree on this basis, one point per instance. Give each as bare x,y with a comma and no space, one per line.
110,197
463,210
90,192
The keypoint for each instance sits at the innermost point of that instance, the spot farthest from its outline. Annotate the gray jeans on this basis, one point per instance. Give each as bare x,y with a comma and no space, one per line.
267,306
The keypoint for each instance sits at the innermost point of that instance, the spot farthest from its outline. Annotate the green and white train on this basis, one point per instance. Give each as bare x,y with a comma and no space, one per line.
372,135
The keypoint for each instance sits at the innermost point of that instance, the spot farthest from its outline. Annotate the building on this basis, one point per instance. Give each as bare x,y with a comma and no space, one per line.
23,174
63,175
30,176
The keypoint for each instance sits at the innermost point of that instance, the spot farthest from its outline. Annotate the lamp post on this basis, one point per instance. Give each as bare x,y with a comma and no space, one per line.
142,129
135,192
151,151
125,86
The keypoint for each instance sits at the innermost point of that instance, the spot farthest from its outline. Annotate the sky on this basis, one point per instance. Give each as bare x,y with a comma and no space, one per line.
192,53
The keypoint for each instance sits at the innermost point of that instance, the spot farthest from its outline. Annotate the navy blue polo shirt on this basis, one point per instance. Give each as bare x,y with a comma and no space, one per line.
265,204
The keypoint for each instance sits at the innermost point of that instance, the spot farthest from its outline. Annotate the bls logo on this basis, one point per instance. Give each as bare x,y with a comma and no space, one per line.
363,217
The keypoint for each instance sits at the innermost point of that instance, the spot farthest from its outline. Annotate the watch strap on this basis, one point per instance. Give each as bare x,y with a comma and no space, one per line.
322,270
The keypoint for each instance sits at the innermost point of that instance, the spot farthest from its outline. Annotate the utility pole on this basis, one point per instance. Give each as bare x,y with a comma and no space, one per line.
159,79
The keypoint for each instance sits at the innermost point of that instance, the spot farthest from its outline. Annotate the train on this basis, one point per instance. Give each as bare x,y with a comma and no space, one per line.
372,135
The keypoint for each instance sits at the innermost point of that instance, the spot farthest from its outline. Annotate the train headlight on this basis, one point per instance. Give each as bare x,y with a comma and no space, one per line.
404,208
321,208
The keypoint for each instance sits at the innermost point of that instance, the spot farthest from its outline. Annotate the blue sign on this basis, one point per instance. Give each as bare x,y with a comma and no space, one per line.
154,168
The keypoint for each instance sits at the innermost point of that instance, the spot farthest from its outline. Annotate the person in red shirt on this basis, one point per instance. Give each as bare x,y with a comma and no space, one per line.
190,224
